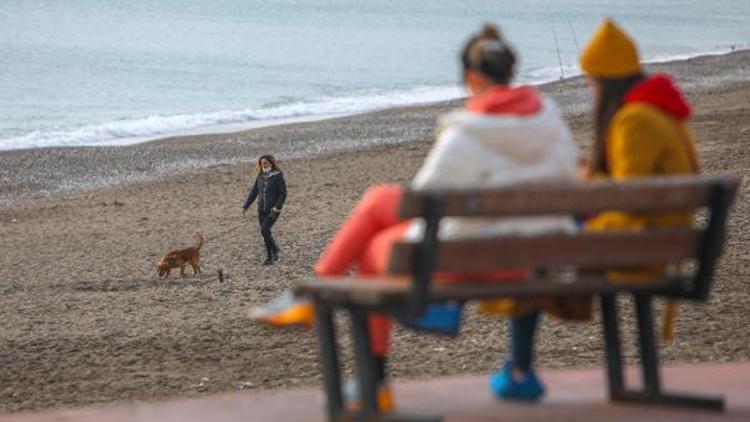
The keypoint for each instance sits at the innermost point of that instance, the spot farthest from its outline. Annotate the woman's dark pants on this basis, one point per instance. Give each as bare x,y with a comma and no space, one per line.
266,221
522,331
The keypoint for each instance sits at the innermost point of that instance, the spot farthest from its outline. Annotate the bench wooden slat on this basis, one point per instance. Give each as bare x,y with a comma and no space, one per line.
589,250
659,194
389,290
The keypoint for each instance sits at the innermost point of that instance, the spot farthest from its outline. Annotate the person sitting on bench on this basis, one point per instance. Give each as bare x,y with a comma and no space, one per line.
641,130
504,136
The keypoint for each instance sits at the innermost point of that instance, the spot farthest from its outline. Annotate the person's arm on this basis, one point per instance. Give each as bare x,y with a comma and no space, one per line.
251,196
633,150
634,147
452,163
282,193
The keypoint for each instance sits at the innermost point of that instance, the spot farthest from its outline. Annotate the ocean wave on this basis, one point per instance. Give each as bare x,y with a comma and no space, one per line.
126,132
553,73
719,51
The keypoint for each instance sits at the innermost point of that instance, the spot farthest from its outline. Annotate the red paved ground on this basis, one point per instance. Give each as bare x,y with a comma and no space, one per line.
573,396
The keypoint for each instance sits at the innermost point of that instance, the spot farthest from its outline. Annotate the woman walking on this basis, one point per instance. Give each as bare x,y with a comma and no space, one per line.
269,189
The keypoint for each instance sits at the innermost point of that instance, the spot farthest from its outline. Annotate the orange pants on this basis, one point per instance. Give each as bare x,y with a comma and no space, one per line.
365,240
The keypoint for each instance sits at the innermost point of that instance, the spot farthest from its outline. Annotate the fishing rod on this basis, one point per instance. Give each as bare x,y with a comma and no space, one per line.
557,48
575,37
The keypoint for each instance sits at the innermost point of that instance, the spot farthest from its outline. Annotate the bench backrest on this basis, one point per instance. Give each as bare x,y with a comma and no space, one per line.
591,250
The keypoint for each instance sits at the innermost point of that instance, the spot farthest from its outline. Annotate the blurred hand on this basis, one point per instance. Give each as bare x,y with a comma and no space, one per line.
584,169
244,211
276,210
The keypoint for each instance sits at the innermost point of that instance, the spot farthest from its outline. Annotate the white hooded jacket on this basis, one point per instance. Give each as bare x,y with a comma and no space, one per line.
495,150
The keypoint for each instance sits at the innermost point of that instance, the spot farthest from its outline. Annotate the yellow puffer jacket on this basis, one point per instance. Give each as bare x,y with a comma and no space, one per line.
645,141
647,136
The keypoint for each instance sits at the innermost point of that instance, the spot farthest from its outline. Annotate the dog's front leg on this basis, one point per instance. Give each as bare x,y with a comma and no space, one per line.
182,271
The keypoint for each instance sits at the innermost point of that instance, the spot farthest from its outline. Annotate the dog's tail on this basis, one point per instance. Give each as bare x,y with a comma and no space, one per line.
200,240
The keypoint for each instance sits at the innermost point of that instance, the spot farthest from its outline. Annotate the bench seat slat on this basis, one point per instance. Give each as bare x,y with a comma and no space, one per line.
590,250
392,290
656,194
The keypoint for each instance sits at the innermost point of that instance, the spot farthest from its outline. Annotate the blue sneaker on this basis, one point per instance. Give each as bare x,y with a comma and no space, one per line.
505,387
438,318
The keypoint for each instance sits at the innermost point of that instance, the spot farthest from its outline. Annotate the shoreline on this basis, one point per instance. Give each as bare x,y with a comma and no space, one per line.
238,127
46,172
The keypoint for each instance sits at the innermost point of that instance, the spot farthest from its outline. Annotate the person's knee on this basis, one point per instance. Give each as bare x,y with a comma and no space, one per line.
378,198
382,191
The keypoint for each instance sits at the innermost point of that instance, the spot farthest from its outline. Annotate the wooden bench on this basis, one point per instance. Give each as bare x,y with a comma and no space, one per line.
410,285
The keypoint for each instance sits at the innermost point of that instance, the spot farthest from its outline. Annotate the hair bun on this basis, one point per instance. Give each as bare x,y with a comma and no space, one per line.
487,53
490,32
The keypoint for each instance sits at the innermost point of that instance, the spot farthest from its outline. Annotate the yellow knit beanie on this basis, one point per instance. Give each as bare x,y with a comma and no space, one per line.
610,54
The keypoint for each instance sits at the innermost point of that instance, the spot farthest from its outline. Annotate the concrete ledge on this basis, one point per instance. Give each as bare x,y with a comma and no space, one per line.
572,395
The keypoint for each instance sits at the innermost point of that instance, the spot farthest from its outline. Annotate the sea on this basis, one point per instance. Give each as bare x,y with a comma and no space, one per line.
117,72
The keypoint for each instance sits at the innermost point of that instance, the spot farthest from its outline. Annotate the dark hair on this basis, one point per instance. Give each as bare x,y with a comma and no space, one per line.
612,93
489,54
271,159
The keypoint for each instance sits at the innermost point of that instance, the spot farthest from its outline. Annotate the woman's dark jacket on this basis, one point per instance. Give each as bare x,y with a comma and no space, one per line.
270,190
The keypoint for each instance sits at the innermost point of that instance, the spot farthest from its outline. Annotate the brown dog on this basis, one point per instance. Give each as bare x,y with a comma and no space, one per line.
178,259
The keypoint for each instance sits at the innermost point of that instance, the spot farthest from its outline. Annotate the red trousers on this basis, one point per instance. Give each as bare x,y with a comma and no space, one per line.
365,240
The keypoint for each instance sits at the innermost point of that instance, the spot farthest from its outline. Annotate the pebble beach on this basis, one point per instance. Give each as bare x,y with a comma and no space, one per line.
86,320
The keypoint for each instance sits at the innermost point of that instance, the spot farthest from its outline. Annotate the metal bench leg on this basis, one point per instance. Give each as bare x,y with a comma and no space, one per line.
329,360
652,393
612,348
647,345
365,363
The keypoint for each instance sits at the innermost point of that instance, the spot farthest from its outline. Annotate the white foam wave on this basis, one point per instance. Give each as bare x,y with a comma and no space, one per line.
720,51
549,74
125,132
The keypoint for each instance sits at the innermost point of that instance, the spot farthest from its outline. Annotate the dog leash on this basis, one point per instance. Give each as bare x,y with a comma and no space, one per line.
224,233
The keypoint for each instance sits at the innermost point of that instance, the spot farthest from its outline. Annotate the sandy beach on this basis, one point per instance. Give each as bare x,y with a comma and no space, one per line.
86,320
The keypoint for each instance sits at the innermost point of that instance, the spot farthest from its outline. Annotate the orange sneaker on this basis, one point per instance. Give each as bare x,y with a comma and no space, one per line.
285,311
386,402
352,401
